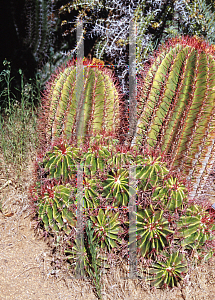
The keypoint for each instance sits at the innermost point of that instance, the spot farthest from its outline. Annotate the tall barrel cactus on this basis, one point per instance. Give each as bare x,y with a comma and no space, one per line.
40,23
80,104
176,109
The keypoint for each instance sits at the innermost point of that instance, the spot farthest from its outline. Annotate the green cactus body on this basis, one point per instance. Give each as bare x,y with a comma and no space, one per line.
61,161
172,193
91,195
169,271
39,26
54,209
77,255
72,112
94,161
176,111
150,170
120,159
106,226
116,187
196,227
153,229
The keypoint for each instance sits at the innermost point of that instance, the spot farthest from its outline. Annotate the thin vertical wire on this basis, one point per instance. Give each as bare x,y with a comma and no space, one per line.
132,79
79,81
80,223
132,223
79,132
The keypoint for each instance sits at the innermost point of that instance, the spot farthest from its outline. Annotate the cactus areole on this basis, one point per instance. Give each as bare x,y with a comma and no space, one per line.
80,100
176,109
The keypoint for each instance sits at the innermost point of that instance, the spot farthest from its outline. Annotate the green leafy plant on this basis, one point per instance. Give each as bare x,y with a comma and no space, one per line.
201,18
18,119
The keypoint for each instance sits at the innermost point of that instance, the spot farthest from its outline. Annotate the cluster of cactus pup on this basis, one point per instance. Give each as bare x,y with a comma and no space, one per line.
170,229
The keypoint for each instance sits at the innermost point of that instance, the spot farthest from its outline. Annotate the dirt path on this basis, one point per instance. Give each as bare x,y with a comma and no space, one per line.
28,266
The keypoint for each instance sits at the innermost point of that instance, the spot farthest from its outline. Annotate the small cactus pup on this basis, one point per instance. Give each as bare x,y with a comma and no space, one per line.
196,227
153,229
173,193
61,161
106,226
150,170
55,208
75,107
176,108
169,271
116,187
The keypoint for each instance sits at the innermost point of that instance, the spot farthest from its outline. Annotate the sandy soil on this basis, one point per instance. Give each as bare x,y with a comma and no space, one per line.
29,270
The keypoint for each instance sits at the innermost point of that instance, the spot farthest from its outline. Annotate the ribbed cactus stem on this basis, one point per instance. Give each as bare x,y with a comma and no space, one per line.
39,26
72,110
176,114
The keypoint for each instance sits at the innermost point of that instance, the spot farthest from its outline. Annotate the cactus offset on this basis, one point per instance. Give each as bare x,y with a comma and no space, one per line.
94,161
172,193
106,226
116,187
166,220
196,226
150,170
56,208
169,271
153,229
176,111
61,161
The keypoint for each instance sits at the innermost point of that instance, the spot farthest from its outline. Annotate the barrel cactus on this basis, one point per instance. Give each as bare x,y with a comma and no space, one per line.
169,271
196,226
176,110
77,105
154,230
174,115
165,220
61,161
55,208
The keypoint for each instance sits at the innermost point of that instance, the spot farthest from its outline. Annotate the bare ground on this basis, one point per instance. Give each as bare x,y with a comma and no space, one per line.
28,265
